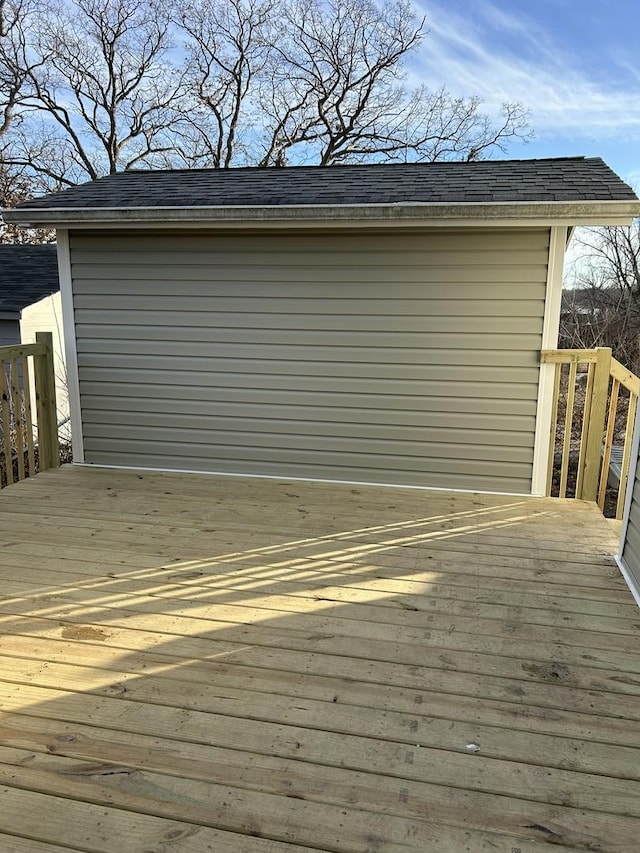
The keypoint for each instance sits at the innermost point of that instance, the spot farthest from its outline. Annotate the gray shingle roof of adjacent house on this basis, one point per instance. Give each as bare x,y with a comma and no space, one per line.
568,179
27,273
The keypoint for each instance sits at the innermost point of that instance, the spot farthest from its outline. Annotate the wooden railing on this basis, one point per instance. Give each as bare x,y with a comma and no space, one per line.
593,408
25,449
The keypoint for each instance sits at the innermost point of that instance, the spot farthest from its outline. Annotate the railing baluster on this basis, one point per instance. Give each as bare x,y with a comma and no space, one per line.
554,427
5,407
626,455
586,415
28,415
568,425
17,414
608,442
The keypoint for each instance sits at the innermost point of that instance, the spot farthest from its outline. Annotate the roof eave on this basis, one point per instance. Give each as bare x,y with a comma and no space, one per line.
480,213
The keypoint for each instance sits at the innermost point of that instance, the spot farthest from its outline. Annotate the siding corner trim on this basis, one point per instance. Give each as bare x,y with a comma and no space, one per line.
553,298
69,329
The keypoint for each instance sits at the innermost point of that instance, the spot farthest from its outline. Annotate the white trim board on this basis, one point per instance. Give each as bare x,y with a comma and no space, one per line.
288,479
553,299
314,223
629,579
69,328
635,451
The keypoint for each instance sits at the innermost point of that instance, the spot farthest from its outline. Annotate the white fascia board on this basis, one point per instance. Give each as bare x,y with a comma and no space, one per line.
71,354
368,216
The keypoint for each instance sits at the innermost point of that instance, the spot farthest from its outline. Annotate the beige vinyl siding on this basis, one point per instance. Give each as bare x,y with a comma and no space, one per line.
397,358
631,545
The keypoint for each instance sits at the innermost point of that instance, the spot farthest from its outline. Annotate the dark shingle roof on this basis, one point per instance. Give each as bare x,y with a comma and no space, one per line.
562,179
27,274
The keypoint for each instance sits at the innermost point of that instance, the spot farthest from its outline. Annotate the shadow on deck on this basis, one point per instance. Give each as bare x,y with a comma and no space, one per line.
193,664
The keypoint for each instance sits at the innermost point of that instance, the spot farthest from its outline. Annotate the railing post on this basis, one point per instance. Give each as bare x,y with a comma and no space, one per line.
45,386
597,416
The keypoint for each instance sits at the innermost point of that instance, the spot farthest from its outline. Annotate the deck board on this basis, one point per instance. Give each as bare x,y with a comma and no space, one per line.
204,663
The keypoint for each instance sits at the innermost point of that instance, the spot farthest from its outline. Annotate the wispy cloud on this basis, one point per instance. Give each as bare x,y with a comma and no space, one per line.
502,56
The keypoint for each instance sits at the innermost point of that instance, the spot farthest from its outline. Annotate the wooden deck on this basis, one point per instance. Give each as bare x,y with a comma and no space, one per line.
193,664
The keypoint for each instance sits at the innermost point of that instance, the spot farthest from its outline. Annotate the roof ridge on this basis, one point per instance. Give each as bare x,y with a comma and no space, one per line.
420,164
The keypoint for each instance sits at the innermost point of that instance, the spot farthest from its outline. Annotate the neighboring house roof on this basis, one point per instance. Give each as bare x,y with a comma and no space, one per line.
581,185
27,274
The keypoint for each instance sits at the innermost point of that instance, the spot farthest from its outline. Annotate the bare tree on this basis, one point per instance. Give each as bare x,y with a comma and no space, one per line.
228,45
323,81
99,81
616,250
104,85
601,306
442,126
334,77
337,91
17,19
16,186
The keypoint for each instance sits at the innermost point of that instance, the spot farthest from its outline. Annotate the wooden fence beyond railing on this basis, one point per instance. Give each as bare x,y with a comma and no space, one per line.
21,454
594,406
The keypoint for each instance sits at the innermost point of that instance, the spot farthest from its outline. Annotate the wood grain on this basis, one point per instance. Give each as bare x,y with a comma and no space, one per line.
206,663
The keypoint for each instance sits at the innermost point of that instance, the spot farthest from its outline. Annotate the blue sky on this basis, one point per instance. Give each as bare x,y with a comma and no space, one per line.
575,66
